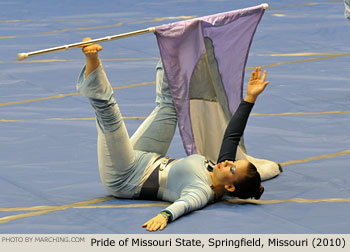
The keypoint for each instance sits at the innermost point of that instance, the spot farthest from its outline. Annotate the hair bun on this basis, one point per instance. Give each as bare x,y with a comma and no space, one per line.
261,191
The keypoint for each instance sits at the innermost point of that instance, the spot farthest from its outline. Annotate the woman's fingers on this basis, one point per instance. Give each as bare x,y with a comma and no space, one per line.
259,73
264,76
252,76
153,226
145,224
156,227
148,225
256,74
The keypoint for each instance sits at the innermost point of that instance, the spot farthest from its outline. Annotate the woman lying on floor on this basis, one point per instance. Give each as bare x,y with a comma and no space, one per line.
137,167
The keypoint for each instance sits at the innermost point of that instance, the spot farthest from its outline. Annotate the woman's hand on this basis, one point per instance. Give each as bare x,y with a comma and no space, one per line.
256,85
158,222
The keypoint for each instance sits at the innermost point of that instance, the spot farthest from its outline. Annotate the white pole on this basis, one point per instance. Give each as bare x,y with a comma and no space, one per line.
21,56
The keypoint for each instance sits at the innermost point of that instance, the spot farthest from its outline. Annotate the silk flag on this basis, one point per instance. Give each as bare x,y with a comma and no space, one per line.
204,61
347,9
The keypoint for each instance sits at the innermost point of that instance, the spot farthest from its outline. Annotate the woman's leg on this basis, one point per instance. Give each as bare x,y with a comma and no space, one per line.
115,152
156,132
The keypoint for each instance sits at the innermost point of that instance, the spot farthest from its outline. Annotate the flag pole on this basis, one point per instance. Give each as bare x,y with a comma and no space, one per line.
21,56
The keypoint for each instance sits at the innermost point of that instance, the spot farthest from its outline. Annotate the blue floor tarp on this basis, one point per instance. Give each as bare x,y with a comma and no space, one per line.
48,136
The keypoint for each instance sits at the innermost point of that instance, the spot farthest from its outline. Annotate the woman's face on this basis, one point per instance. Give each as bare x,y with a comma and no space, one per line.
223,171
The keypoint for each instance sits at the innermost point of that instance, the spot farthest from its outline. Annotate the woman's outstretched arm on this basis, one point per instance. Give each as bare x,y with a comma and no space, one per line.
237,124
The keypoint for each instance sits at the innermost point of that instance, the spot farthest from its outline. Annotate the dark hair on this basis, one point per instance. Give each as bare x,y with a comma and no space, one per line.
249,186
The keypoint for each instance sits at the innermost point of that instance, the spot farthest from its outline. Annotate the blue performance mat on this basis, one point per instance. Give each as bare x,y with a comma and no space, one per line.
49,179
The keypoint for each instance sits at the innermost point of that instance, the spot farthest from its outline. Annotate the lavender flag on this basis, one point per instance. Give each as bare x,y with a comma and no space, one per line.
204,60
